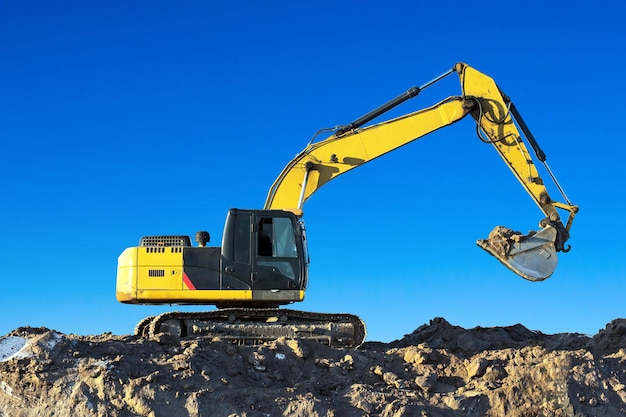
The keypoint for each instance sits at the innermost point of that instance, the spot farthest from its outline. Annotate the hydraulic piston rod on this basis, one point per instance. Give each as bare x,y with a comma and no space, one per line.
408,94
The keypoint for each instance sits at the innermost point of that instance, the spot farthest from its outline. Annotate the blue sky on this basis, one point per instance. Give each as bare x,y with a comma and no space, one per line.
124,119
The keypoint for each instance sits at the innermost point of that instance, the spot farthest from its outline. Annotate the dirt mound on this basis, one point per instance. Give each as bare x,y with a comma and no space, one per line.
440,334
438,370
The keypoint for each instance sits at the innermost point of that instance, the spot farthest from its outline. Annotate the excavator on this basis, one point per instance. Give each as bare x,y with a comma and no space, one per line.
262,263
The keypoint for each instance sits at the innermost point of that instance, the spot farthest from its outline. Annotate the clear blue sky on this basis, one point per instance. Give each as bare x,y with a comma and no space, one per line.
123,119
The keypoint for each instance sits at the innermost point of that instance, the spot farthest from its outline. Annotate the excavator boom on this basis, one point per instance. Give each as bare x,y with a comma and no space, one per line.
534,256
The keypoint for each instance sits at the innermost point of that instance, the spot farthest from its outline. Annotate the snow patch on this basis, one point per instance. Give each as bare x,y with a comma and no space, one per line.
15,347
11,347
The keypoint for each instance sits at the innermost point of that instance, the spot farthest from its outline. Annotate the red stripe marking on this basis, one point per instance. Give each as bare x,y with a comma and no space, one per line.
188,282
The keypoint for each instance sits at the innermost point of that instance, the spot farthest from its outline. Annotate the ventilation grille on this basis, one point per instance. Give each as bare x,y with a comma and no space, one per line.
156,272
161,249
165,241
155,249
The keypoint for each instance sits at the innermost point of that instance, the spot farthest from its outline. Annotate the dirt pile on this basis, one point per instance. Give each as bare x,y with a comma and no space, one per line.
438,370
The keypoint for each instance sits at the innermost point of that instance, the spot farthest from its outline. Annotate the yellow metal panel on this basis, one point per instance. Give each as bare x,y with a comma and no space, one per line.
201,296
155,267
160,267
193,296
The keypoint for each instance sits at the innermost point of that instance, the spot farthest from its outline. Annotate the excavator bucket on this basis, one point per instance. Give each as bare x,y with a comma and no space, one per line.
532,256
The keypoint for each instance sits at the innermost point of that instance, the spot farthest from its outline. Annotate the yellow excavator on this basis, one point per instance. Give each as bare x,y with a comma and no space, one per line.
263,261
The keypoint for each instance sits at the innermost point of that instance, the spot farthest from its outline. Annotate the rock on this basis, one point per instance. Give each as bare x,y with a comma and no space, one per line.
392,379
476,367
298,348
426,382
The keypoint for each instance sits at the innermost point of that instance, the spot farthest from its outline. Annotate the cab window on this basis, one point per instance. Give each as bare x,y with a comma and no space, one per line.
276,238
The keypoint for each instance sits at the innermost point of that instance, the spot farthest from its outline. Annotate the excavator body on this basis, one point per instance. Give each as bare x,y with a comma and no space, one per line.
262,263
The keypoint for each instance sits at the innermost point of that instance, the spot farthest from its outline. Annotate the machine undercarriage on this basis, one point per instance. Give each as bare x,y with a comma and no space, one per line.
251,326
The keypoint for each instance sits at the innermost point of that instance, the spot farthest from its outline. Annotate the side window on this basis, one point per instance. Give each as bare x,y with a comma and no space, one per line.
276,238
285,245
241,241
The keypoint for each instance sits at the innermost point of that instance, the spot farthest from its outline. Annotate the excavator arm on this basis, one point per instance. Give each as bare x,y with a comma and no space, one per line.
533,256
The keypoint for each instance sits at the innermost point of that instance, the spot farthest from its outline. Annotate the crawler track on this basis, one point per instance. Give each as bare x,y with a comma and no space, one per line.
257,325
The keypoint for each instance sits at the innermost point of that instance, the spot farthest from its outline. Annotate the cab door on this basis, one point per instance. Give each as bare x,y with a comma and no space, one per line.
277,252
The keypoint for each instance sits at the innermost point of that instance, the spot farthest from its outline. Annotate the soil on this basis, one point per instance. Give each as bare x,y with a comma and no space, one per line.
438,370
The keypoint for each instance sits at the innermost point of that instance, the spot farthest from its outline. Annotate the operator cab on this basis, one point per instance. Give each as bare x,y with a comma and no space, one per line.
265,249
